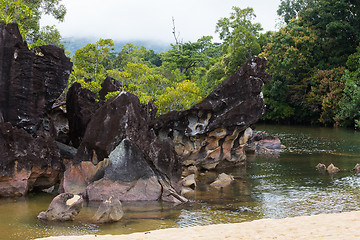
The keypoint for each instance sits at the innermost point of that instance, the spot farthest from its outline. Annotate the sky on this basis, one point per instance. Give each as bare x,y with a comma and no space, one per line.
151,20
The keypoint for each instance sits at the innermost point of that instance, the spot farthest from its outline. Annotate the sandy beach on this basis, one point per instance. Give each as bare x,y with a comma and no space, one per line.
326,226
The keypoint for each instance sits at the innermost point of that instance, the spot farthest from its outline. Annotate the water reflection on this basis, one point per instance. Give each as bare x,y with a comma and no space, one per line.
268,188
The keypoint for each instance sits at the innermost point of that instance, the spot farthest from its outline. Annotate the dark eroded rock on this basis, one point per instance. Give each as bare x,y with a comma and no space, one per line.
210,134
81,106
109,85
109,211
154,169
27,163
64,207
30,81
128,177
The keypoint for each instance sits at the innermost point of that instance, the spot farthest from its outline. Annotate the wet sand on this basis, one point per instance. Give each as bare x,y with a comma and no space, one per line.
326,226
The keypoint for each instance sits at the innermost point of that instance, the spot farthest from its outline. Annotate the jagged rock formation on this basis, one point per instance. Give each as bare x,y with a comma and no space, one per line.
81,106
109,85
30,82
211,134
26,162
119,155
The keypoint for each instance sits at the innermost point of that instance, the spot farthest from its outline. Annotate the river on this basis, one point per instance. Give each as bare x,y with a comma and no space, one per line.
276,187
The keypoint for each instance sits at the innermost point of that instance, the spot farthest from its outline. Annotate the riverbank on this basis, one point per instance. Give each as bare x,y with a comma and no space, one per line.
325,226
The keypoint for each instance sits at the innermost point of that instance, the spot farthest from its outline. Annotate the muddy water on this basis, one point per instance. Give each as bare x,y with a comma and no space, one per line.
278,187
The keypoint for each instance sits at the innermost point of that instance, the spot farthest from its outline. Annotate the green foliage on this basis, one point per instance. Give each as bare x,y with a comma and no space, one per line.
188,56
49,35
289,9
338,26
349,114
134,54
89,61
291,60
91,85
180,96
240,36
16,11
326,93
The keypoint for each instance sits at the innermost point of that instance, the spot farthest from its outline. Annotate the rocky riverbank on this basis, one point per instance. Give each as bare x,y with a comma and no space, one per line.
117,148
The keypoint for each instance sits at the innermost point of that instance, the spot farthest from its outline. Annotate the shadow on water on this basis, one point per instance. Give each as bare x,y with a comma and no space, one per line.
268,188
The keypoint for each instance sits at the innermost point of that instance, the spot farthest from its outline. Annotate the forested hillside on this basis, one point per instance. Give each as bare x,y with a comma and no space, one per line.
314,59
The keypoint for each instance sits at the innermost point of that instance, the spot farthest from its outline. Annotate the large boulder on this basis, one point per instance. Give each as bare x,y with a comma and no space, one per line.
30,80
211,134
64,207
121,128
27,163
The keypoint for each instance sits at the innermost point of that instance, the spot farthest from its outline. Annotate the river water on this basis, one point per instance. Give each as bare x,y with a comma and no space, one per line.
276,187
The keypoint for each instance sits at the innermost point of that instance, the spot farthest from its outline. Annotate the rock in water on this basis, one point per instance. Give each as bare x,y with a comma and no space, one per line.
357,168
321,167
222,180
122,125
210,134
30,81
109,211
332,169
63,207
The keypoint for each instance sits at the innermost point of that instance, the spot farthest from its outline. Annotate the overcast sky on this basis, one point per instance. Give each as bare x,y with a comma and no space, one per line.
152,19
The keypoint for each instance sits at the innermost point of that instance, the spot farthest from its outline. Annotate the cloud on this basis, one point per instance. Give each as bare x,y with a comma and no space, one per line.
152,20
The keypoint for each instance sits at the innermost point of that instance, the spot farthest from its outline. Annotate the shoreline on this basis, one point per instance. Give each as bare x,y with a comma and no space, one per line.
324,226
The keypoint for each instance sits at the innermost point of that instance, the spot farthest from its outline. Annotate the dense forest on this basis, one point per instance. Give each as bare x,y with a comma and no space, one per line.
314,59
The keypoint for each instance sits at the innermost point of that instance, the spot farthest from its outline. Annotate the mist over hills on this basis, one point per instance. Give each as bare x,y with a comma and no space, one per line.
73,43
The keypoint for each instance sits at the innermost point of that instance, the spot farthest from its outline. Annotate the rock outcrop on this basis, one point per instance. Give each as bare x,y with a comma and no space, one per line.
140,165
80,106
109,85
27,163
211,134
64,207
30,82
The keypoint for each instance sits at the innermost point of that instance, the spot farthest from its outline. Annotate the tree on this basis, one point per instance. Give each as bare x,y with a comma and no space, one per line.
240,36
338,25
292,61
290,9
349,114
89,60
134,54
184,56
16,11
326,93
